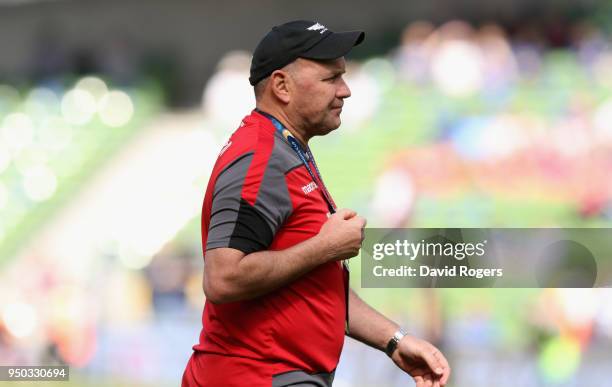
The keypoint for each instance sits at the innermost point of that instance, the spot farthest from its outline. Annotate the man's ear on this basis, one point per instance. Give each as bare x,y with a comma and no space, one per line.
281,84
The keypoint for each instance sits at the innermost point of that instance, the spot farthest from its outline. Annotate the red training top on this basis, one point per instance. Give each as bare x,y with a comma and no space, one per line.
260,196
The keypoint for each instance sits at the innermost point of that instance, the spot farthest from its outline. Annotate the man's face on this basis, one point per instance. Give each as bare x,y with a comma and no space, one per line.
319,94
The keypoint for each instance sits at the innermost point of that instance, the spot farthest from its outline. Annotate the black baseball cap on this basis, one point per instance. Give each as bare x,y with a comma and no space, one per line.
299,39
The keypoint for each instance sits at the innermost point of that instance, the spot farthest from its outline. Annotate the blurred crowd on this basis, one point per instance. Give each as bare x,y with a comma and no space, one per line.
536,119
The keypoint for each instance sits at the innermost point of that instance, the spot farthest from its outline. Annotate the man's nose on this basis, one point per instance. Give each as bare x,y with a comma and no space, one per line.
343,90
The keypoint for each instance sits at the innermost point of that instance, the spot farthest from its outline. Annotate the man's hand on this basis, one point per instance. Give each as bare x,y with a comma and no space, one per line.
342,233
424,362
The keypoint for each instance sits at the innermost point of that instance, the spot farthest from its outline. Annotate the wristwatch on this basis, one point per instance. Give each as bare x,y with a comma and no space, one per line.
392,344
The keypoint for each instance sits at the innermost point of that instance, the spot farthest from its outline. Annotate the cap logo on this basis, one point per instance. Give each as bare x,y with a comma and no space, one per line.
317,27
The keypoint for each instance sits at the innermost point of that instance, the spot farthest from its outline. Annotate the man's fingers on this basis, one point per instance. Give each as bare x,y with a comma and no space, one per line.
361,221
432,361
445,367
445,374
420,382
428,380
346,213
444,379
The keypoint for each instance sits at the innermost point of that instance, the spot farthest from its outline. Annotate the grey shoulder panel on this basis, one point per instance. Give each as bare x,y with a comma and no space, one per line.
273,198
226,201
246,226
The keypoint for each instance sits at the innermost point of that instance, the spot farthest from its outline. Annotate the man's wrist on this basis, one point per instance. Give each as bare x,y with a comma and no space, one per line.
323,246
394,341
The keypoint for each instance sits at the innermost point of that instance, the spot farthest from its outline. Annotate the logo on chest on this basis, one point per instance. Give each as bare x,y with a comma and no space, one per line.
308,188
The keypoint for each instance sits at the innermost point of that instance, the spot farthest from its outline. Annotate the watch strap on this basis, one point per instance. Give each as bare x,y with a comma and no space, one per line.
394,341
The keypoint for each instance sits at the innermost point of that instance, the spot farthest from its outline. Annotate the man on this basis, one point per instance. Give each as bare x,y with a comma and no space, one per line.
278,301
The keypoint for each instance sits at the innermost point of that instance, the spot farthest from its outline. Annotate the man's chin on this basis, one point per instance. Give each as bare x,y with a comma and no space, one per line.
333,127
329,126
335,122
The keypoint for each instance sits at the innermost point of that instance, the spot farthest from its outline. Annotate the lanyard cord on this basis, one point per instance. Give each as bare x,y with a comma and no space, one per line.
304,157
330,202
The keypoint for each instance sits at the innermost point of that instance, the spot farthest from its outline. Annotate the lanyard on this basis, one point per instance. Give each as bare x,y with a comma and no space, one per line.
304,156
328,199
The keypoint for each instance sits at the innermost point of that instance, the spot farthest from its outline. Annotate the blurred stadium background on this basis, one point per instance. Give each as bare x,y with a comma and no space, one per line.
464,113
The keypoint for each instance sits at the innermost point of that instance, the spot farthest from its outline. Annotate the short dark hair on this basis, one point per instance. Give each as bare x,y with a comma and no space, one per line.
259,87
